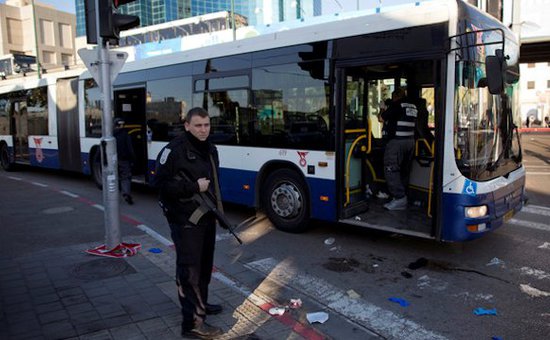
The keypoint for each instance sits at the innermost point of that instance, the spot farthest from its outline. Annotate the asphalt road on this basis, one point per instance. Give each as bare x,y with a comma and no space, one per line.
434,288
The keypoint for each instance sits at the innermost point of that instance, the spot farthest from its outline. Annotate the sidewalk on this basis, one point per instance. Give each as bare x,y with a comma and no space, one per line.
51,289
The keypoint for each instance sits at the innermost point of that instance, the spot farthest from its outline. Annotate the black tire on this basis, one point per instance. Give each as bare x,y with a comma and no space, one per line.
5,158
285,201
95,164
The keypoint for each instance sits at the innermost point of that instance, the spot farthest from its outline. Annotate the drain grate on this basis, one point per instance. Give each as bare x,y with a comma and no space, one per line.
98,269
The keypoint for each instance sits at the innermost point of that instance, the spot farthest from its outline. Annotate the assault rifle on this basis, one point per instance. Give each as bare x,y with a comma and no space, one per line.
208,201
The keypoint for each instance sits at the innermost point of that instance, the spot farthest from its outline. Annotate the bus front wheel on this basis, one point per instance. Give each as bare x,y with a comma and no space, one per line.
5,158
285,201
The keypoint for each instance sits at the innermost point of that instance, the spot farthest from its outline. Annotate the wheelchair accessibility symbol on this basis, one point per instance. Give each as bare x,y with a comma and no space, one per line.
470,188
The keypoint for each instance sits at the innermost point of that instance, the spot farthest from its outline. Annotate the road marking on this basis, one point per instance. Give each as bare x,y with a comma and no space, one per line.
38,184
70,194
155,235
539,274
360,311
545,245
264,303
98,206
536,209
532,225
15,178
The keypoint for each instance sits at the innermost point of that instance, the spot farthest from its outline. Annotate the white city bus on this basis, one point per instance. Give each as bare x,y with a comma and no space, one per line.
293,114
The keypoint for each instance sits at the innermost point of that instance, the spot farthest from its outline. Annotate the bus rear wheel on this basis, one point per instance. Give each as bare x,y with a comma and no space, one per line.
5,158
285,201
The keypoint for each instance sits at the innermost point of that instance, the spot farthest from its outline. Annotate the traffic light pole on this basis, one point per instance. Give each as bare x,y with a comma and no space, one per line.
103,25
109,155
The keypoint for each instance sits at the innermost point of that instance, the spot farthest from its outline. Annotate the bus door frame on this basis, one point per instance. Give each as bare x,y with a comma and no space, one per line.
138,116
439,61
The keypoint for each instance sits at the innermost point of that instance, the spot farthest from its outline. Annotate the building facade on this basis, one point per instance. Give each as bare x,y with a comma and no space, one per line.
29,28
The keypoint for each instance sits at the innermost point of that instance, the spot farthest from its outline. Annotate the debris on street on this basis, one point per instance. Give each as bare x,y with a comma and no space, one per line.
320,317
400,301
277,310
483,311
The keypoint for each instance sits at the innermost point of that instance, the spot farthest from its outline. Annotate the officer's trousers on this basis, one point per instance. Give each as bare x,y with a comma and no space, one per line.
397,158
194,262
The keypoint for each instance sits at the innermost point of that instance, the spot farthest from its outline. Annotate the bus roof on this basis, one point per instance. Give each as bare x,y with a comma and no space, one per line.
306,31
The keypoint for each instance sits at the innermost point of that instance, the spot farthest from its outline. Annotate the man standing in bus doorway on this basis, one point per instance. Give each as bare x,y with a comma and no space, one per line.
126,157
399,125
188,165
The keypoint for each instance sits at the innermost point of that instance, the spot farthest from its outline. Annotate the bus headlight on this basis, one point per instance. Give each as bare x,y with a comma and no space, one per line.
476,212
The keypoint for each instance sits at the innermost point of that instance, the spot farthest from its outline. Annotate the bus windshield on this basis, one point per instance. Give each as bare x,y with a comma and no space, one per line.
486,139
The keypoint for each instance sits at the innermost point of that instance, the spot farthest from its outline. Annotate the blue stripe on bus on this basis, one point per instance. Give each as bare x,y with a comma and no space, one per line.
232,186
320,209
499,203
233,180
50,158
86,168
232,189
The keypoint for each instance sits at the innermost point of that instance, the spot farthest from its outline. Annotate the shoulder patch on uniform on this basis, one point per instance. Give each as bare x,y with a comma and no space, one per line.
164,155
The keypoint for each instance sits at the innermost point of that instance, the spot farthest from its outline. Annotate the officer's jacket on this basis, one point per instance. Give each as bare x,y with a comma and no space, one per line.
176,193
399,120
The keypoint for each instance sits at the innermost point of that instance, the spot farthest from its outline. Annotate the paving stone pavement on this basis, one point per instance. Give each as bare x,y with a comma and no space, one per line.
57,291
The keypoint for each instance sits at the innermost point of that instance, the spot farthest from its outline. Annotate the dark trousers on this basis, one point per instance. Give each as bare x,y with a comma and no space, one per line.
125,176
194,262
397,158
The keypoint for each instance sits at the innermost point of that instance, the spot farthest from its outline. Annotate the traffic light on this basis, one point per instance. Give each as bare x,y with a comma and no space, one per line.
110,21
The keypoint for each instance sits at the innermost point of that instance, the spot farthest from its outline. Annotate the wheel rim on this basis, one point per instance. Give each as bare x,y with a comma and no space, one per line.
286,200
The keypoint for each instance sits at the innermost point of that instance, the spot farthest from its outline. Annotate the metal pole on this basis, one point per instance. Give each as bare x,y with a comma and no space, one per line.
36,40
109,155
233,20
109,162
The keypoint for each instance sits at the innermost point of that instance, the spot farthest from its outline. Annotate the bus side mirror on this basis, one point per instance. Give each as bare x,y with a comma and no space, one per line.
493,67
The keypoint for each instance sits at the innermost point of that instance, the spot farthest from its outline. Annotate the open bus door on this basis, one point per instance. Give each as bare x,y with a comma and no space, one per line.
20,114
361,90
129,104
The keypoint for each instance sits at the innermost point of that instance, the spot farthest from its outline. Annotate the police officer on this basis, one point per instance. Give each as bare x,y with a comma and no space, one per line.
399,126
193,230
125,157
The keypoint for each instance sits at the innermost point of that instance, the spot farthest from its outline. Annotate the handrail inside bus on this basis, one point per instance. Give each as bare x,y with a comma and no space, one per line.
428,146
348,164
430,185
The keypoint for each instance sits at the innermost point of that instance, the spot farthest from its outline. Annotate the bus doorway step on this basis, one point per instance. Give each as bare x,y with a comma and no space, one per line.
356,208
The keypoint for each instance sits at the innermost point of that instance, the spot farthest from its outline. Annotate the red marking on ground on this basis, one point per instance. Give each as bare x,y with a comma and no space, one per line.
85,200
130,220
287,320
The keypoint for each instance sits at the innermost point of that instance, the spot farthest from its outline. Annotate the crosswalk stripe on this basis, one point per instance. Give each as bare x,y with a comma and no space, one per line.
536,209
377,319
532,225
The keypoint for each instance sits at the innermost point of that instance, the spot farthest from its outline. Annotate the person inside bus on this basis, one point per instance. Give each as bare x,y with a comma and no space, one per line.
125,156
398,130
188,165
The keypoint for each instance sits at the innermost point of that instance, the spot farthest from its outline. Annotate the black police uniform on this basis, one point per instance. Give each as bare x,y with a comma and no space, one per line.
194,241
126,156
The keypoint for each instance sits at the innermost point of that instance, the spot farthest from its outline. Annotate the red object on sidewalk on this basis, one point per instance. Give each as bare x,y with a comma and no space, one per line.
121,250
